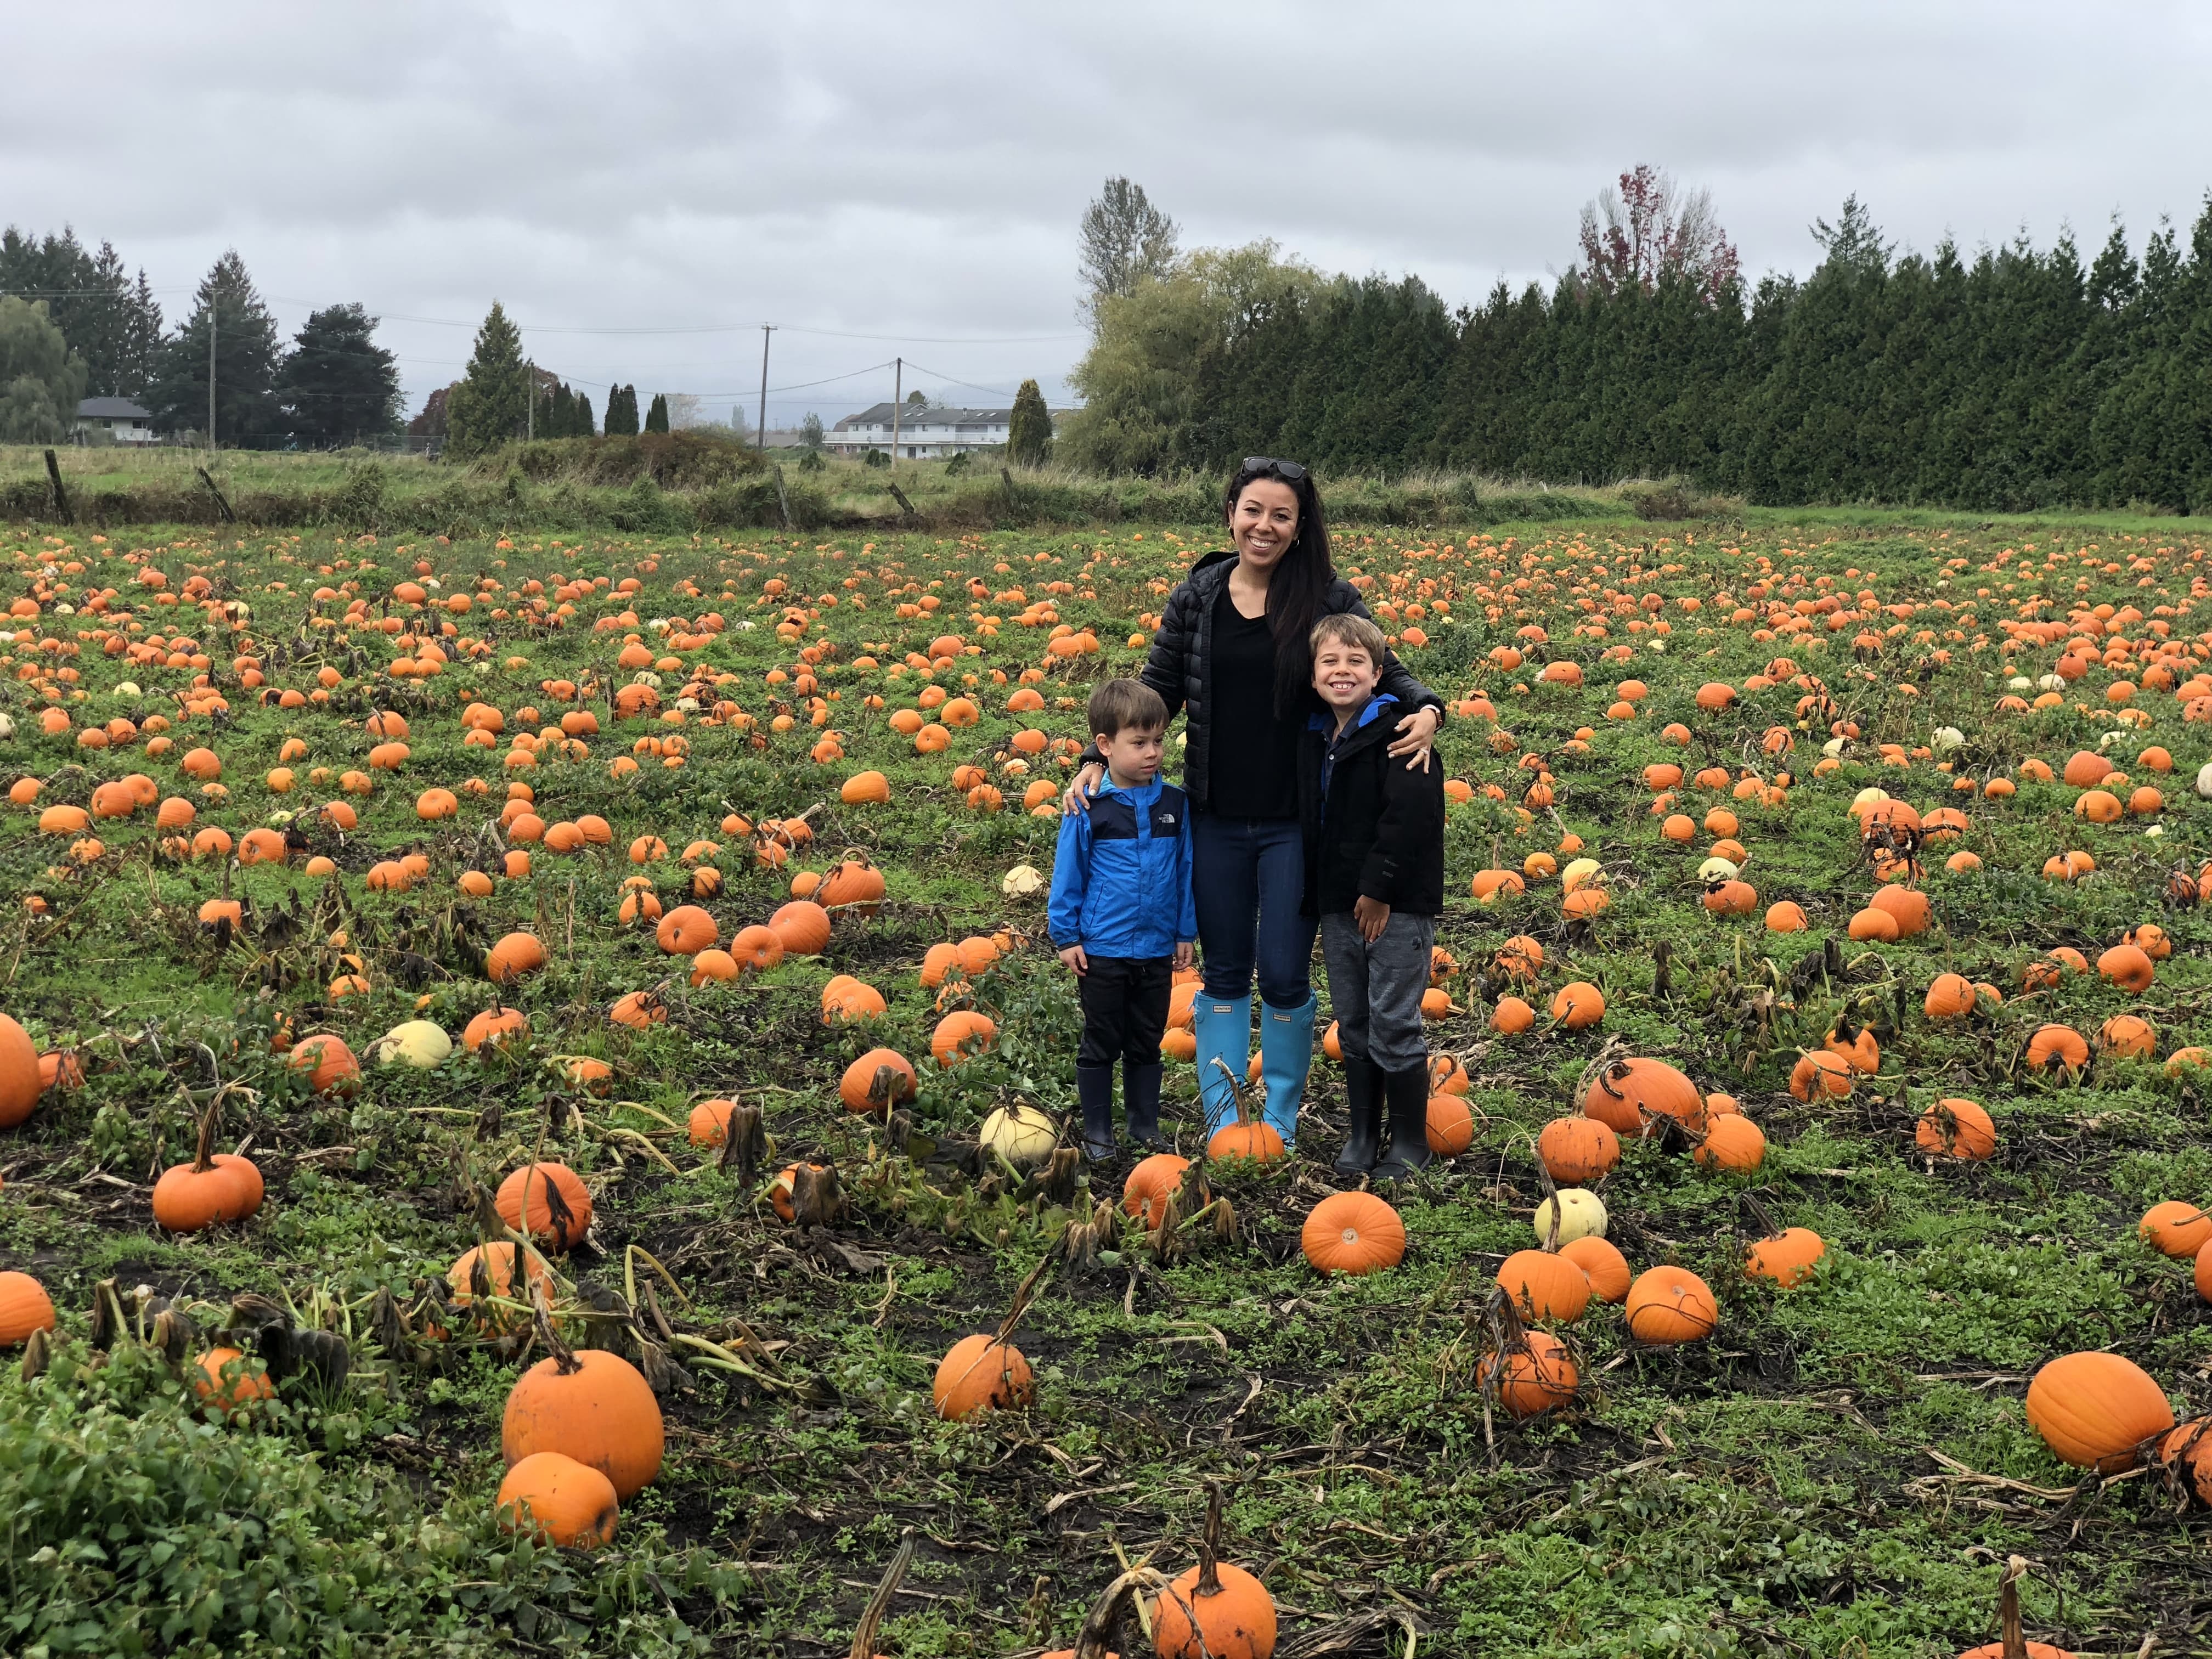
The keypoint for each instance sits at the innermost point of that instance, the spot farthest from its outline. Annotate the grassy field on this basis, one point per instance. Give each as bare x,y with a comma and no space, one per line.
674,484
1841,1469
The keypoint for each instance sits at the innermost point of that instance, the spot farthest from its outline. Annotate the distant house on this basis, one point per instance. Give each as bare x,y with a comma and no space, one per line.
925,433
117,418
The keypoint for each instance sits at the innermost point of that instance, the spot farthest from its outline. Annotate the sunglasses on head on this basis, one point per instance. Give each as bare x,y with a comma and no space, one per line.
1288,471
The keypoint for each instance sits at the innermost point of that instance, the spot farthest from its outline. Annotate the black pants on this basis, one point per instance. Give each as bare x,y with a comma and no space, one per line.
1125,1010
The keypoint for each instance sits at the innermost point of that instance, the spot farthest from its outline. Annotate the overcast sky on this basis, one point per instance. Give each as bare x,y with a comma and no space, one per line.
914,174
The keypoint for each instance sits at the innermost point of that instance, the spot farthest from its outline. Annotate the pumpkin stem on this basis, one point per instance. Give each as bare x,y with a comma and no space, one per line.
211,1120
1209,1544
1761,1214
1024,1292
564,1359
871,1616
2010,1636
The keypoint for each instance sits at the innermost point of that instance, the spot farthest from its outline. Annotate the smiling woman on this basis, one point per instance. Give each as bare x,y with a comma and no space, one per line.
1231,652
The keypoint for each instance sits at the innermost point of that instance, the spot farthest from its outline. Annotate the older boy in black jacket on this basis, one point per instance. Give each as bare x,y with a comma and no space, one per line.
1375,876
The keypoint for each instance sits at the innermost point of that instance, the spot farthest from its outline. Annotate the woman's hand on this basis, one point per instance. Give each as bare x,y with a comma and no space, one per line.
1417,733
1087,776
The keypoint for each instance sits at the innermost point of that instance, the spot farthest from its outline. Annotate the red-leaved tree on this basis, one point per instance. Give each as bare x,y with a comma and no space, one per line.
1652,227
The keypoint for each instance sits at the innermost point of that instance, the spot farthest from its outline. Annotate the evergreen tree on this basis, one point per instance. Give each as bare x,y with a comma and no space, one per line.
490,406
1029,429
810,431
656,416
581,421
226,307
112,323
339,385
622,411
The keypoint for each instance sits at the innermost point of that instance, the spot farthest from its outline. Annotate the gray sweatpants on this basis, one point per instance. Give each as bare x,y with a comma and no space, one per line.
1375,990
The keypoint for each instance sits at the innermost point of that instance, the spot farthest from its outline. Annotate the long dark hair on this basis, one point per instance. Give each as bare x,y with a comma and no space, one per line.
1299,586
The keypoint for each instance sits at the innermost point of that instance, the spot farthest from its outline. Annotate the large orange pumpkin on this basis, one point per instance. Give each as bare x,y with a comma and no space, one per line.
567,1503
2093,1410
594,1406
880,1079
1545,1286
686,931
803,926
1629,1096
19,1073
960,1035
24,1308
553,1197
1352,1233
1670,1305
981,1374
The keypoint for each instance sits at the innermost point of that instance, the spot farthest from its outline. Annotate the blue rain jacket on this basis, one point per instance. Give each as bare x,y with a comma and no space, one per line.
1121,880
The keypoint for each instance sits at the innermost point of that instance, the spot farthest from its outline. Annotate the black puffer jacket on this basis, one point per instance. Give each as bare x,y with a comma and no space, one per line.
1178,668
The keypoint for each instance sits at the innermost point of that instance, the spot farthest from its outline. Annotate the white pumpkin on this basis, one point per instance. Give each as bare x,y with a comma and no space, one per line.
421,1043
2019,682
1717,868
2052,682
1833,748
7,728
1021,1135
1946,739
2204,780
1580,873
126,689
1023,881
1582,1215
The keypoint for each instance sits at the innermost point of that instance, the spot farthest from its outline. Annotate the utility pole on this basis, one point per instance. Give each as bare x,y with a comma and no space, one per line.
214,313
530,400
766,329
898,384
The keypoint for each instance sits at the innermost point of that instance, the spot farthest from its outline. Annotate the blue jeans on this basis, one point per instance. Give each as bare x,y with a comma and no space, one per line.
1248,880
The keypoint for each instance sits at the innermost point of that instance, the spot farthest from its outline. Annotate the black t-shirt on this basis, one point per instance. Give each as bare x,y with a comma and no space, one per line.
1254,753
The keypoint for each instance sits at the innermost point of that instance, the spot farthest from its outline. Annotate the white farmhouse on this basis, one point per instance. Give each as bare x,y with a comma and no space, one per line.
115,418
931,433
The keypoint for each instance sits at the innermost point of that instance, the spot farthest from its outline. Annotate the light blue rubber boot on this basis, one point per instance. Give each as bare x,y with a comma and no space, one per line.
1285,1057
1222,1026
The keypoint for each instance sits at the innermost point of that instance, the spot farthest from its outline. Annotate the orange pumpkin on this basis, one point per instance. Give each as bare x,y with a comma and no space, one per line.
1667,1306
981,1374
554,1497
1352,1233
592,1406
553,1199
2093,1410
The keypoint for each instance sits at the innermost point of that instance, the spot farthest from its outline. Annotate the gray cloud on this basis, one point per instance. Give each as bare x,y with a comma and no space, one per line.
903,172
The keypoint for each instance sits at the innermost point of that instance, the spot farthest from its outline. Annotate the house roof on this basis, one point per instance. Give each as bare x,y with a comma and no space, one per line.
112,408
935,414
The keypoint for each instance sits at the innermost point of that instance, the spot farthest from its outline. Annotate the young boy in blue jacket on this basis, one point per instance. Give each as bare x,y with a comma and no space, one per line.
1122,914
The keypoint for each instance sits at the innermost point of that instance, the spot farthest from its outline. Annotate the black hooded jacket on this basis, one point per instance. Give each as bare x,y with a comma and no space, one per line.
1179,665
1379,832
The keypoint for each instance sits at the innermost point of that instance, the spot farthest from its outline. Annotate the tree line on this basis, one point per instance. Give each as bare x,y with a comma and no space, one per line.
74,324
2013,379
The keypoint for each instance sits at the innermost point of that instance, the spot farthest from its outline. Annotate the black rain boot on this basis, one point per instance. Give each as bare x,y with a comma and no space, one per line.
1140,1103
1407,1092
1362,1134
1094,1087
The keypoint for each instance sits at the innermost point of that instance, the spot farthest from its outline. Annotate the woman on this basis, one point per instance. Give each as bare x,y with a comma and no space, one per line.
1231,652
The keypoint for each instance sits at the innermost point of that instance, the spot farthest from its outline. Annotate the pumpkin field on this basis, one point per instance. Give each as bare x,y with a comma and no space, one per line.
537,1113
